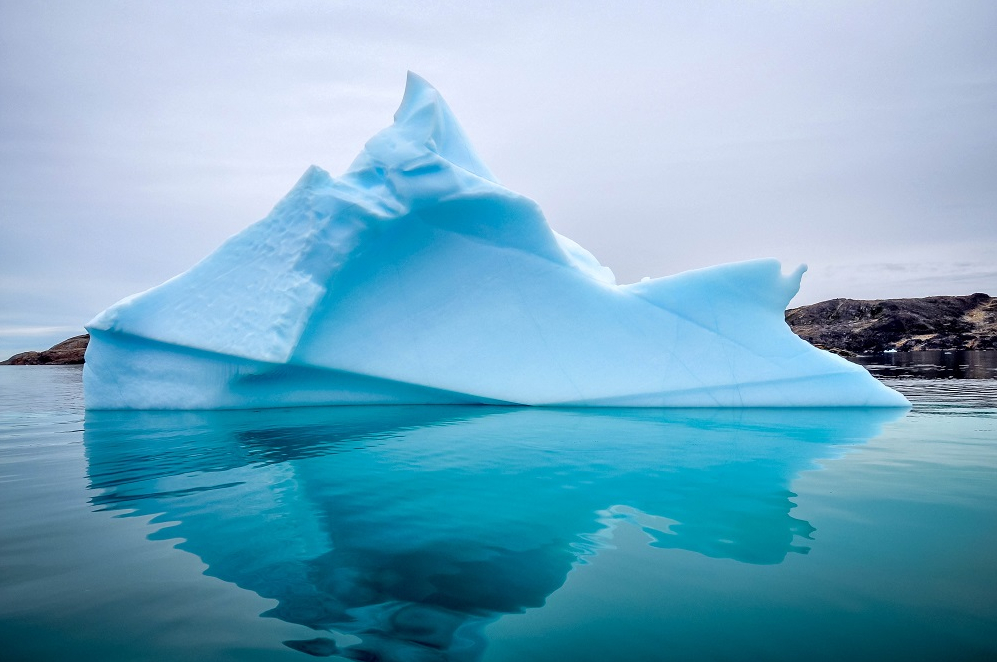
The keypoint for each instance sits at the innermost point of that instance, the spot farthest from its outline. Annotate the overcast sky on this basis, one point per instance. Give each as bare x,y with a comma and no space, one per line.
857,137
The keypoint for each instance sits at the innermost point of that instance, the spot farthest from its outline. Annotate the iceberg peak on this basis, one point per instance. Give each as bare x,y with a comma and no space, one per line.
416,278
425,120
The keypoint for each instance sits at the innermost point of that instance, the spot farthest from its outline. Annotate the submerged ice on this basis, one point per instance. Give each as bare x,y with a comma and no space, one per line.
416,278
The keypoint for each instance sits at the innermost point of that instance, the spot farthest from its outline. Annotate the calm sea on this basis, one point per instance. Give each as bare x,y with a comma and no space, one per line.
497,533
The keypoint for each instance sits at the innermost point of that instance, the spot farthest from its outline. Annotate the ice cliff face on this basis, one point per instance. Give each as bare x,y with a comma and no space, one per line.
417,278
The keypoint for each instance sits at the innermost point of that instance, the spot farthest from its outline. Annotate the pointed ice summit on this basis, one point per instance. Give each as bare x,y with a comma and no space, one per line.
416,278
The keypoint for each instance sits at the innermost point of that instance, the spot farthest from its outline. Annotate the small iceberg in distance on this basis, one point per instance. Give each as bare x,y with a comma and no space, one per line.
416,278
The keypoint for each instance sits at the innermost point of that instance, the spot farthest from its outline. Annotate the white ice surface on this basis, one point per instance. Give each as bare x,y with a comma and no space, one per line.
417,278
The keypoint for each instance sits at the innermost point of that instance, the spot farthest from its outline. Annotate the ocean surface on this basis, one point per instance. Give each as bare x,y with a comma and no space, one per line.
932,364
500,533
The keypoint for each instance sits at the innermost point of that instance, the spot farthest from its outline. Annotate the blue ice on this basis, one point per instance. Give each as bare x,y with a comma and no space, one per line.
416,278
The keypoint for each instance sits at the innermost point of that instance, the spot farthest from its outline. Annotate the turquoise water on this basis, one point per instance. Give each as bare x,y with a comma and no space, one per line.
496,533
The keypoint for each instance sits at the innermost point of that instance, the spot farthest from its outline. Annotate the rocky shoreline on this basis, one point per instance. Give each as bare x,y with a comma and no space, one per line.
848,327
68,352
851,327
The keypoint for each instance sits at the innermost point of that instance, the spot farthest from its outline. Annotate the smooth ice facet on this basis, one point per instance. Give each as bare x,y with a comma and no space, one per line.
416,278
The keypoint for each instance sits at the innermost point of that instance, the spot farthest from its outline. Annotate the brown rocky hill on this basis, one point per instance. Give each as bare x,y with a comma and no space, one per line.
867,327
67,352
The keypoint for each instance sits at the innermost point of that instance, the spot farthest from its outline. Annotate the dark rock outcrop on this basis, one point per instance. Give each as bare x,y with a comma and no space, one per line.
68,352
849,326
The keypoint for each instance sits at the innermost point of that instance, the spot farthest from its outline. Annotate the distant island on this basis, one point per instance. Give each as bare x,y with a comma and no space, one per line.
844,326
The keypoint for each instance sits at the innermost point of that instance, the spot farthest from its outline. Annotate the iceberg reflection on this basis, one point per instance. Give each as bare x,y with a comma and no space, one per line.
411,528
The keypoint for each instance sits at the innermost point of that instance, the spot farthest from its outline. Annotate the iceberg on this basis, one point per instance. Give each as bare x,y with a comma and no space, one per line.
416,278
